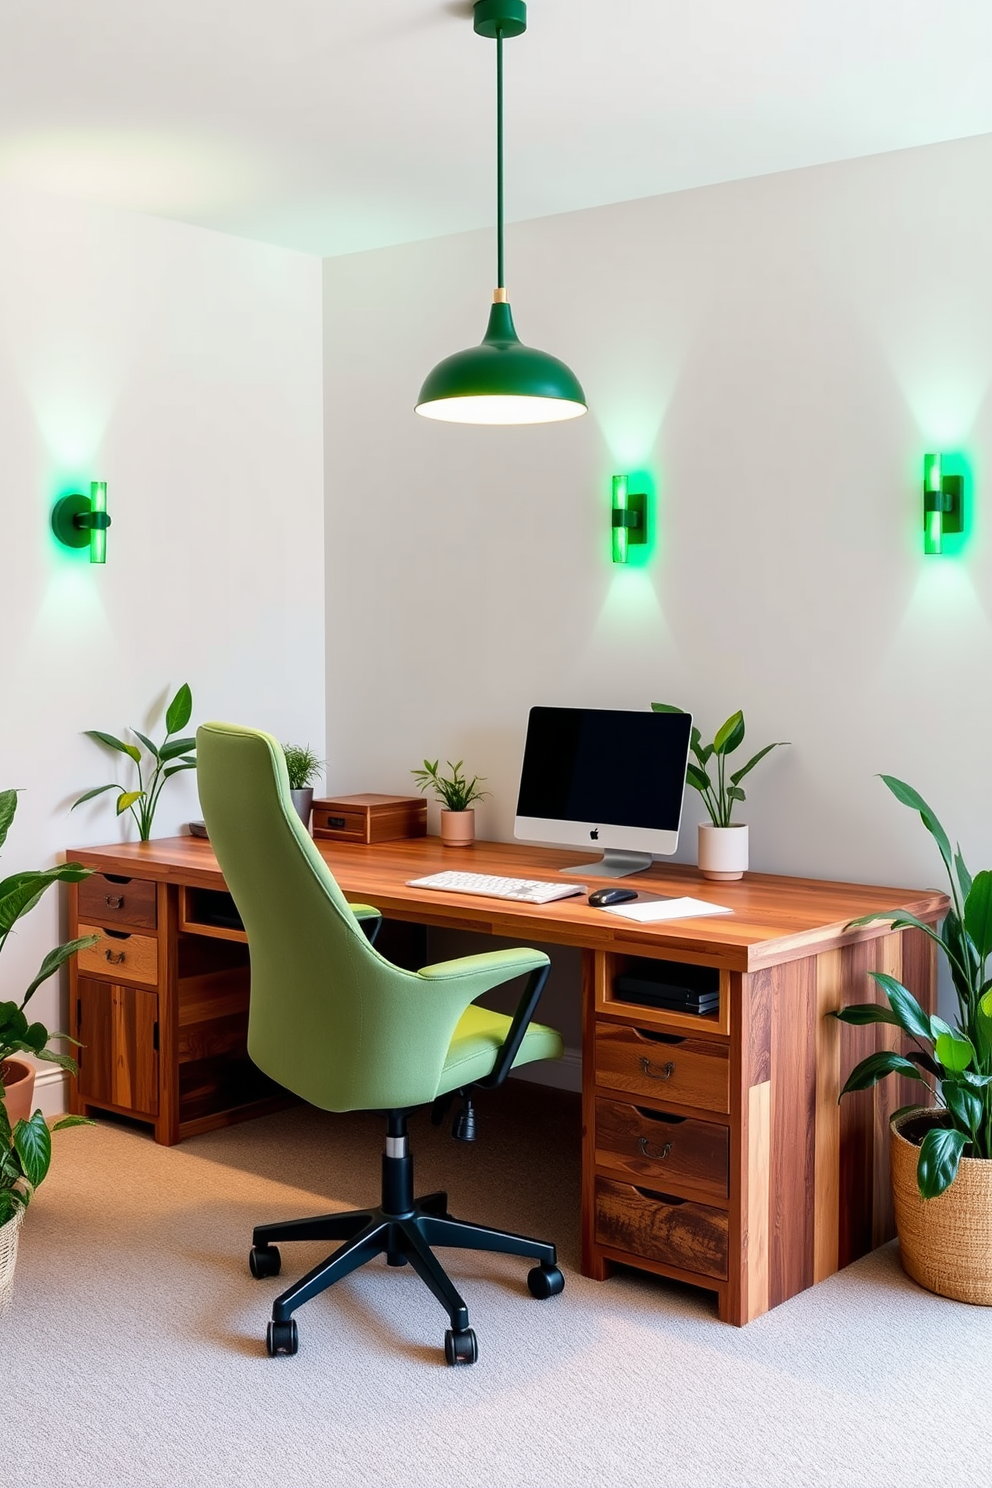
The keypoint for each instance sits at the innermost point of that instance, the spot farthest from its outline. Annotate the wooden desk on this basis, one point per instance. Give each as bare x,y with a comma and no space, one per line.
714,1148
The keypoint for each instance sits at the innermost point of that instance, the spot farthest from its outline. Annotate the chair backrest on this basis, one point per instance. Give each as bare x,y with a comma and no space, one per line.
329,1017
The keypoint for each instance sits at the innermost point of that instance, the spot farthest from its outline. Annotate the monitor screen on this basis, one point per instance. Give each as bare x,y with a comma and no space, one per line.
610,778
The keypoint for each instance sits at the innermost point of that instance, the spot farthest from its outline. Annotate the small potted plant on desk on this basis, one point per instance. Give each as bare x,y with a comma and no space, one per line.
941,1152
303,768
456,794
723,847
25,1141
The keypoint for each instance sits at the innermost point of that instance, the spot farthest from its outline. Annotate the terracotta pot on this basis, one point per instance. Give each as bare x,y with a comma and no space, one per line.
18,1085
458,828
722,851
945,1243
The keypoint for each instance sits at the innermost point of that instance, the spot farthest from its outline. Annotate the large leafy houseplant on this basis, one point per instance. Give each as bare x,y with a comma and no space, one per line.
168,758
954,1063
26,1150
721,793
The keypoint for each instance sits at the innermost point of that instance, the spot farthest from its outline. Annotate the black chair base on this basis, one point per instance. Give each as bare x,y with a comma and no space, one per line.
404,1230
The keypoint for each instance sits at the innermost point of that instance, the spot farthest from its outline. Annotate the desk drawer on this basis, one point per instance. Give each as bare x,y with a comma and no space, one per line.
661,1150
667,1067
112,901
118,954
661,1227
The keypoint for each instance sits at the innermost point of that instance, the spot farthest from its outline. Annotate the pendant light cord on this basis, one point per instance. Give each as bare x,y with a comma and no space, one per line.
499,158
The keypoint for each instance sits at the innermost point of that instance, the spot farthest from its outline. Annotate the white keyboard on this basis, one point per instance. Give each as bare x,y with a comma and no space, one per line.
527,890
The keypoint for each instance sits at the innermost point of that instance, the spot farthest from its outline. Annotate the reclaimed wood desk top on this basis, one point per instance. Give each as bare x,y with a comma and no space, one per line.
774,918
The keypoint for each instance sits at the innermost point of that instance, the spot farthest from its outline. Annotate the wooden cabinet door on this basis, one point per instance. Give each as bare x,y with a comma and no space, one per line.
118,1062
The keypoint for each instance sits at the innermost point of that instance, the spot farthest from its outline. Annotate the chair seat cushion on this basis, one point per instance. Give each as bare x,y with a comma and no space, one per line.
479,1037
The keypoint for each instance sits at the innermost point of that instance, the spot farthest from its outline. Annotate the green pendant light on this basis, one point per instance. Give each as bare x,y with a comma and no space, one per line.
501,381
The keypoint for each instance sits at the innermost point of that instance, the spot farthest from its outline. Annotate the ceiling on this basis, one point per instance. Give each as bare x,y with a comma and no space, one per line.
333,127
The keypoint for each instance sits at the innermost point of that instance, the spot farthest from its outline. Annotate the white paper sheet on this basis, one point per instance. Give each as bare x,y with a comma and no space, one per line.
652,911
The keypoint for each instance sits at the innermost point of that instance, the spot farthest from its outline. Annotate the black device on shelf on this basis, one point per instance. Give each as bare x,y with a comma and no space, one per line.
674,985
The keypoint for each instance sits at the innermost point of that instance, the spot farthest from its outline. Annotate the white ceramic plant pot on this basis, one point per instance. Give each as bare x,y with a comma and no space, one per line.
722,851
458,828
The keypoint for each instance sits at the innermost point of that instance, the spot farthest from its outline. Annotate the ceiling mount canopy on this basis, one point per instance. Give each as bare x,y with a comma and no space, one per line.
501,381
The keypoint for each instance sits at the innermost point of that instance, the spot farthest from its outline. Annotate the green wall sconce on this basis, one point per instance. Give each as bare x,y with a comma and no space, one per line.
943,504
629,518
501,381
82,521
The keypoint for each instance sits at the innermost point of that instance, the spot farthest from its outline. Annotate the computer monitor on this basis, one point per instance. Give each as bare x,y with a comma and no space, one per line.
606,776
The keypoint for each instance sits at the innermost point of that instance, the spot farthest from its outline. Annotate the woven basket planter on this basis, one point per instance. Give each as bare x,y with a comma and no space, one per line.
8,1256
945,1243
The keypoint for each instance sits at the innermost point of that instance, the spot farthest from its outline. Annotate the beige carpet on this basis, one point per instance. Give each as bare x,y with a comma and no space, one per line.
134,1352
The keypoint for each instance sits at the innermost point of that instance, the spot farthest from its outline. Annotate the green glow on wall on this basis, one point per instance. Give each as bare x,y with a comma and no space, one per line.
639,555
948,504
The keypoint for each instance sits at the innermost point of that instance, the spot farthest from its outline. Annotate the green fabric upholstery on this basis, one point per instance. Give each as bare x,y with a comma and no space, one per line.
329,1017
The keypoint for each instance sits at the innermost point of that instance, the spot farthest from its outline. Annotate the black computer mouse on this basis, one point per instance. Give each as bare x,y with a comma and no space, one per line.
602,897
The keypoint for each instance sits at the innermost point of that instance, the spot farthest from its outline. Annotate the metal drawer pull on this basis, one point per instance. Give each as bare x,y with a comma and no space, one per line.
666,1073
114,960
115,901
646,1151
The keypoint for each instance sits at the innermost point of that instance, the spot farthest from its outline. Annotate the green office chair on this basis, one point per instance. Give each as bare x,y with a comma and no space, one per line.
336,1023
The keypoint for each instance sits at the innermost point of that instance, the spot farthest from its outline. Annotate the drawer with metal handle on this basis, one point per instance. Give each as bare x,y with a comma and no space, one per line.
656,1147
663,1066
112,900
121,955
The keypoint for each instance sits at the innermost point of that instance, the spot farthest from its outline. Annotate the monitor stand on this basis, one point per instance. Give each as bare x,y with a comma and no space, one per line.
613,864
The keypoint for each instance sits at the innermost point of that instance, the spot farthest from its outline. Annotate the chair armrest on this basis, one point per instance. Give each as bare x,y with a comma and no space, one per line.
369,918
491,969
510,1047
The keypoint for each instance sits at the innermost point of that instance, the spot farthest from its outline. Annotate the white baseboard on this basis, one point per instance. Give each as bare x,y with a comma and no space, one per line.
50,1091
562,1074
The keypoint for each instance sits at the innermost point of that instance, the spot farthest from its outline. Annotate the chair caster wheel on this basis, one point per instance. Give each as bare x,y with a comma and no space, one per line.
460,1347
545,1281
282,1338
264,1260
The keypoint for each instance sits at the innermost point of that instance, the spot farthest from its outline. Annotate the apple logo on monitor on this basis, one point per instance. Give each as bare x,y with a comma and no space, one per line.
594,834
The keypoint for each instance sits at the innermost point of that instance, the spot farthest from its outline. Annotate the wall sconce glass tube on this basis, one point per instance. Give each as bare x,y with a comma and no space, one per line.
943,504
628,518
81,521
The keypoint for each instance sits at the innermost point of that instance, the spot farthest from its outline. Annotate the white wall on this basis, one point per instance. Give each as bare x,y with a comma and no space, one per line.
184,368
777,354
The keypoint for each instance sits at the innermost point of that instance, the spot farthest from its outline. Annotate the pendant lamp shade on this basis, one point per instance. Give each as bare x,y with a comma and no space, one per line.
501,381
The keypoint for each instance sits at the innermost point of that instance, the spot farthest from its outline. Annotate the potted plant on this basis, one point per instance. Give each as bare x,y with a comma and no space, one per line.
456,794
723,845
25,1143
302,767
168,758
941,1152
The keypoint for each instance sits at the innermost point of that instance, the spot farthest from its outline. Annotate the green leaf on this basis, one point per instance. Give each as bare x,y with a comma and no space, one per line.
131,750
21,892
985,1005
730,734
33,1144
8,805
734,793
926,1062
125,801
152,748
65,1121
964,877
909,797
98,791
883,1062
940,1153
175,769
176,748
697,778
738,775
978,914
57,958
909,1014
180,710
865,1012
954,1051
668,708
964,1104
